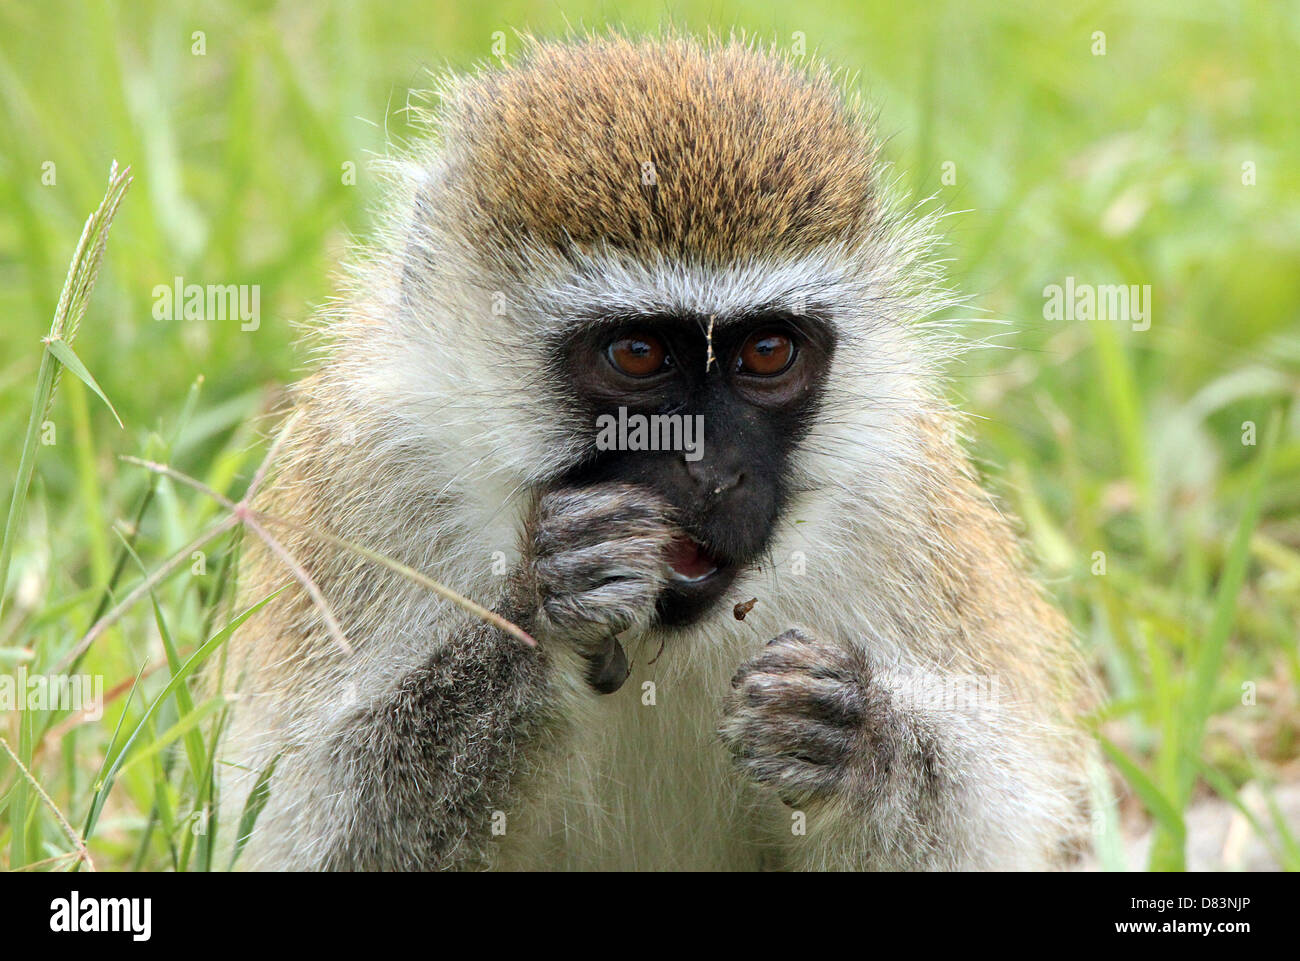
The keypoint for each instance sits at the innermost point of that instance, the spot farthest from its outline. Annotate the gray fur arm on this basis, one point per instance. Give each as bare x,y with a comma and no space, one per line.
425,769
412,781
891,771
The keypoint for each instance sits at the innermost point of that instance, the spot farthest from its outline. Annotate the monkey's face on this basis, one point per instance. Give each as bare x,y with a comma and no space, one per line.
708,418
613,230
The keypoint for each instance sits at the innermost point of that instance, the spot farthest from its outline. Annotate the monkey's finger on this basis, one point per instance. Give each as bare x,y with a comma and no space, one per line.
588,568
792,776
824,701
756,735
610,608
597,514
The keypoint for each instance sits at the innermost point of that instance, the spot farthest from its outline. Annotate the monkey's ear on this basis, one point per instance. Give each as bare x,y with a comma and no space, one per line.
609,668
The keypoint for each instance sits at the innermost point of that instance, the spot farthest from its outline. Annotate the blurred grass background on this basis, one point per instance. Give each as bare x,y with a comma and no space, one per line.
1122,168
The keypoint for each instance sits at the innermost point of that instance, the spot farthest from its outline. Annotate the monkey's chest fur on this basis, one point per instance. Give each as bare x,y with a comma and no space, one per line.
645,784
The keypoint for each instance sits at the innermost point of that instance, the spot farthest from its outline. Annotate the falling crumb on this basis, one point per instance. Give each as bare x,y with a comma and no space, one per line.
743,608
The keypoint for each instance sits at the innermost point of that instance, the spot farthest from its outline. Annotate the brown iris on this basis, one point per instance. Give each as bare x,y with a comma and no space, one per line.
638,355
765,353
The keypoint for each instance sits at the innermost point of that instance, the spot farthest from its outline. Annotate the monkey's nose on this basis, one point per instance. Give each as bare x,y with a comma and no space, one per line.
712,480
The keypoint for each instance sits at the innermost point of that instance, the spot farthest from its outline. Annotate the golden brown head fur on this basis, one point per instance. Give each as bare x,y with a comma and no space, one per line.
651,146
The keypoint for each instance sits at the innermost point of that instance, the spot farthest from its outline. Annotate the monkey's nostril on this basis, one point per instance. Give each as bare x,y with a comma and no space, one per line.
715,482
724,484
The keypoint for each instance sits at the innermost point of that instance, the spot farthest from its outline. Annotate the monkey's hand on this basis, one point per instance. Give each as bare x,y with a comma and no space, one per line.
595,565
804,718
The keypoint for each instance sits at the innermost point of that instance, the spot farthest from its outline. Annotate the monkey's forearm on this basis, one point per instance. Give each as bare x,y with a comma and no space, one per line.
417,777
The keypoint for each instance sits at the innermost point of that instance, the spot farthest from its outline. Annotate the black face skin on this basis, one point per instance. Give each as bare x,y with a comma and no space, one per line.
758,400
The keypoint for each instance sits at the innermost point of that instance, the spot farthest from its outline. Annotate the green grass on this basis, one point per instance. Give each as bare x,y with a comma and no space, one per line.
1109,443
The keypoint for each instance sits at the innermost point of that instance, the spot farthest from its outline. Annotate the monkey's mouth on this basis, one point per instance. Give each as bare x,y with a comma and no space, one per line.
696,579
689,562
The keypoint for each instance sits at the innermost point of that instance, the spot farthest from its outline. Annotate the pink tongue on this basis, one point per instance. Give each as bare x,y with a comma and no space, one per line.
687,559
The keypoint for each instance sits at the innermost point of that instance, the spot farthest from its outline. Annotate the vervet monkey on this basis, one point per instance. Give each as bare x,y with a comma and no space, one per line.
615,227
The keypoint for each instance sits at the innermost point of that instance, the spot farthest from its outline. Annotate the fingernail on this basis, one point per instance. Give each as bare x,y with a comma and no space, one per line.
609,669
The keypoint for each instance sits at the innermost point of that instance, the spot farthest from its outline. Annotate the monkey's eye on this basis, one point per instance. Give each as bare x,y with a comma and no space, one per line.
765,353
638,355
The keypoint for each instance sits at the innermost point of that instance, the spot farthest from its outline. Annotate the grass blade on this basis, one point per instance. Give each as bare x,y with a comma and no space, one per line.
80,280
1209,658
68,358
257,799
1160,807
105,782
